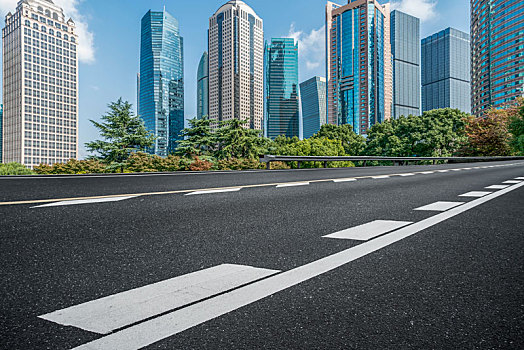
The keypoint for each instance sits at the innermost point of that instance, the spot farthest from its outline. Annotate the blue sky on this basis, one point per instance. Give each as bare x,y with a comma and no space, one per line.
110,30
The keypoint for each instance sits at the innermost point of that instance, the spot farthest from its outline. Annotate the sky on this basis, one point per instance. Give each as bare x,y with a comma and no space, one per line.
109,37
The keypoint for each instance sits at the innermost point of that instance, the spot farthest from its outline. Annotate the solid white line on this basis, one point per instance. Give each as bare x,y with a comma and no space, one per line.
152,331
380,177
84,201
497,187
293,184
119,310
370,230
440,206
345,180
225,190
512,182
475,194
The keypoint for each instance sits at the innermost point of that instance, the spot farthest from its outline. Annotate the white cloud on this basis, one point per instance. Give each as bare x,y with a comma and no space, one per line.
311,47
423,9
86,51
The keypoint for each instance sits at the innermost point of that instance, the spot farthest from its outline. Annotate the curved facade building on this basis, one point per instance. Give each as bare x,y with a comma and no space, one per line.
497,53
203,87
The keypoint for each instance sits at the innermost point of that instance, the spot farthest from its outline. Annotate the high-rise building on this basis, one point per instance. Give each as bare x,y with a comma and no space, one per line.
281,89
203,87
314,110
40,85
359,73
405,49
497,53
446,71
1,120
161,96
236,65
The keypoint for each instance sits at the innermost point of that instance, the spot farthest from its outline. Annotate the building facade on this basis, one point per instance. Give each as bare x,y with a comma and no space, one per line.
314,110
446,71
359,72
405,50
236,65
203,87
1,121
161,95
281,88
497,53
40,85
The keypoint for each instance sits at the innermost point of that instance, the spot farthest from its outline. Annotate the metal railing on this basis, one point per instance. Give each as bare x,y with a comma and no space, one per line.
365,159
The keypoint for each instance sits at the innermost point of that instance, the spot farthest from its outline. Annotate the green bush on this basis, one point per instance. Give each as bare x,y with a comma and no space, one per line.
239,164
14,169
73,166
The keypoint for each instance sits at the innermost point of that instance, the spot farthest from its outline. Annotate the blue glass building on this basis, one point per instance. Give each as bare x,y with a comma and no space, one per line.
446,71
314,110
405,49
281,90
161,95
203,87
1,135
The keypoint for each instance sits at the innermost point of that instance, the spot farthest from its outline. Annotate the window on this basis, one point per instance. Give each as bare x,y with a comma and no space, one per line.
55,16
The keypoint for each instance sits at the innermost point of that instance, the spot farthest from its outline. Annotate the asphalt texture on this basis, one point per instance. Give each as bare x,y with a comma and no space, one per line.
456,285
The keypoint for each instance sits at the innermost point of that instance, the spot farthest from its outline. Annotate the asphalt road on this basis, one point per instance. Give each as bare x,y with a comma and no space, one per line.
441,279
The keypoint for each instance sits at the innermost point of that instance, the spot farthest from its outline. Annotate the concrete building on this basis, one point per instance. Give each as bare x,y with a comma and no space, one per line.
405,50
203,87
497,53
359,72
236,65
314,110
281,88
40,85
161,84
446,71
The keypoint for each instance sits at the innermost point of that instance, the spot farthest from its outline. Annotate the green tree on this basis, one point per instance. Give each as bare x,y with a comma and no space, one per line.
353,144
198,139
516,128
234,140
14,169
123,133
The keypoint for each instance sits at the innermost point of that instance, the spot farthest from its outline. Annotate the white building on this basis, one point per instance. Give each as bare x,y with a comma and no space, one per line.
236,65
40,85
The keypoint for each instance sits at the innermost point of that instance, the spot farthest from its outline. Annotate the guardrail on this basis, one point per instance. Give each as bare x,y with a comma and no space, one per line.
396,160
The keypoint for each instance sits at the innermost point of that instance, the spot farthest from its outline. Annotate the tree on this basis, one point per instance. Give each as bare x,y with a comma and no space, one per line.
236,141
516,128
123,133
488,135
353,144
198,139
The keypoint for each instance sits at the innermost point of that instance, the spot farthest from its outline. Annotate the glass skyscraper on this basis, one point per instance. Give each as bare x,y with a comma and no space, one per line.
314,111
282,107
203,87
161,95
405,49
446,71
359,71
1,120
497,52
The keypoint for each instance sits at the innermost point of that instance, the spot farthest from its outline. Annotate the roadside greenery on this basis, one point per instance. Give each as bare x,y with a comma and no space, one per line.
14,169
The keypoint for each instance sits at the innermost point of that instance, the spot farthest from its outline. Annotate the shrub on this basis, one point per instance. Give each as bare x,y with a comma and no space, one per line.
239,164
73,166
200,165
14,169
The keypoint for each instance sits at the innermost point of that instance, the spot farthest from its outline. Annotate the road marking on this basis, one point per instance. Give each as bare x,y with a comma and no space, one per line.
368,231
427,172
224,190
149,332
443,171
475,194
440,206
123,309
84,201
408,174
512,182
345,180
519,178
381,177
293,184
497,187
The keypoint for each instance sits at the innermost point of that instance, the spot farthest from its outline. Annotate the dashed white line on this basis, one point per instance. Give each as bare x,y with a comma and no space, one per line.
407,174
84,201
293,184
368,231
512,182
380,177
497,187
427,172
440,206
475,194
345,180
519,178
225,190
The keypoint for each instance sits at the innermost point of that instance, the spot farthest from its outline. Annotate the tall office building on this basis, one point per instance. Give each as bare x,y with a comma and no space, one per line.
314,110
203,87
359,72
446,71
40,85
405,49
1,120
497,53
281,89
161,96
236,65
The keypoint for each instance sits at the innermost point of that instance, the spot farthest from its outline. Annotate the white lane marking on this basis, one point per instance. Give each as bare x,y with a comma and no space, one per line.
225,190
407,174
345,180
293,184
380,177
444,171
512,182
368,231
440,206
119,310
84,201
475,194
456,169
519,178
427,172
149,332
497,187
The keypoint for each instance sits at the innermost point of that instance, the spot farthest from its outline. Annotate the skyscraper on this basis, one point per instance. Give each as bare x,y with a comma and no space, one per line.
314,111
405,49
236,65
359,69
203,87
497,52
161,96
446,71
40,80
1,120
282,111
